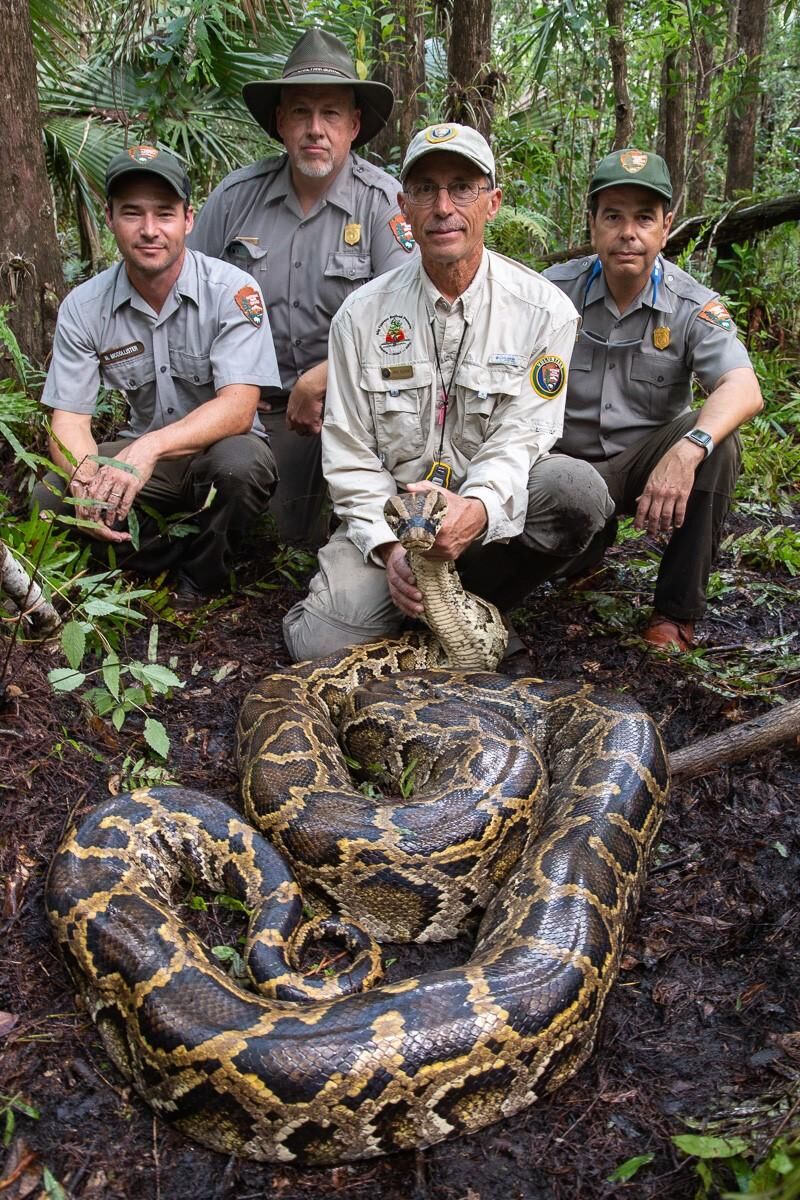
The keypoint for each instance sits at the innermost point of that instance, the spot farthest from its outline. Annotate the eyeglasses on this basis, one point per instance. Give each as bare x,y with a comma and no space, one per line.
462,193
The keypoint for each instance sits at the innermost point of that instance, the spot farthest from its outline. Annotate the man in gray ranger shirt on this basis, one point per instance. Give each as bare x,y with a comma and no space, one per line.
186,338
646,329
311,226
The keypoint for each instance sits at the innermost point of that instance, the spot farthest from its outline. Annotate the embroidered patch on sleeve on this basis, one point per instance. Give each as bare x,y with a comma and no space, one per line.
402,232
248,299
715,312
548,376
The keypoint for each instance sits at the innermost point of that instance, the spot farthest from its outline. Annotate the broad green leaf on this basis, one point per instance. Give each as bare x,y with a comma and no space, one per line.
628,1169
110,670
118,717
709,1147
73,643
158,677
231,903
65,679
198,903
52,1188
156,737
223,953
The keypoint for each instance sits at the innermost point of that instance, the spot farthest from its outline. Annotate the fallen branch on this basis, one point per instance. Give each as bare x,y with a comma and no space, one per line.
26,595
779,725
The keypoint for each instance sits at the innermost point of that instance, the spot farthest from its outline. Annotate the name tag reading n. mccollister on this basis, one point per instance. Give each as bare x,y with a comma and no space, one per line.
405,371
121,354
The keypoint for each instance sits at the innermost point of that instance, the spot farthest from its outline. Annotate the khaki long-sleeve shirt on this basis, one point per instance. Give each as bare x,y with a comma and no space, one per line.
384,412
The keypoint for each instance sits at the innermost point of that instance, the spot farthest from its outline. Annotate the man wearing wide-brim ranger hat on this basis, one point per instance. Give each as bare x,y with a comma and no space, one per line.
311,226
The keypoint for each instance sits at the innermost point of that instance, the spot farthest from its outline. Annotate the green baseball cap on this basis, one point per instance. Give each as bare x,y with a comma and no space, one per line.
637,167
154,162
458,139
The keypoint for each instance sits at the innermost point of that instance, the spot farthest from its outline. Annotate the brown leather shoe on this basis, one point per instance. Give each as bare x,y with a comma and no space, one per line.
666,634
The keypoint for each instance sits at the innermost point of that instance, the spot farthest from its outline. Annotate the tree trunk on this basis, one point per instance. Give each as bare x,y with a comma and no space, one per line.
780,725
672,122
623,117
740,137
473,83
31,278
401,65
699,137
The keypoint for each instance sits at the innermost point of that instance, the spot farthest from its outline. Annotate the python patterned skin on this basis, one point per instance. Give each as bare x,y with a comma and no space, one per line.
542,823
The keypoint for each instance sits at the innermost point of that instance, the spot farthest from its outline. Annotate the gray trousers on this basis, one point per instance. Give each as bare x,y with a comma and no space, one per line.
692,550
241,468
298,503
348,601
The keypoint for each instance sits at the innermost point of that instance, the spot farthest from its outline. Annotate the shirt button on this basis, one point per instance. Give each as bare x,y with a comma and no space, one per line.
298,341
162,369
298,264
131,383
170,410
611,366
196,378
295,304
661,379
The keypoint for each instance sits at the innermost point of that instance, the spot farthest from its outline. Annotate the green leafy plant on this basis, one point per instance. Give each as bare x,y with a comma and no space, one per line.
9,1107
773,1174
766,549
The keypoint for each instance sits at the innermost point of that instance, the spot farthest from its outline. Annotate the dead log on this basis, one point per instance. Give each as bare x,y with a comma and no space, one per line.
737,225
26,595
779,725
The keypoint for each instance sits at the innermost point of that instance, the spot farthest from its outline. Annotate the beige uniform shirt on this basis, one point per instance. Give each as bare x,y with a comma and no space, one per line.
617,393
383,419
306,264
211,331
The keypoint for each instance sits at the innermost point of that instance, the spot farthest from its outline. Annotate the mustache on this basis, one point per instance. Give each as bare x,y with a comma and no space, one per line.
448,226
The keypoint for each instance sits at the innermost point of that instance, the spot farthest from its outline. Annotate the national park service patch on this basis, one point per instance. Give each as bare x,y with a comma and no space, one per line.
248,299
633,161
142,154
715,312
402,232
548,376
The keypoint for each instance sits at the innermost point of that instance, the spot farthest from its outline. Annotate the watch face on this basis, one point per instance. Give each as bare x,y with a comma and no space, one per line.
702,439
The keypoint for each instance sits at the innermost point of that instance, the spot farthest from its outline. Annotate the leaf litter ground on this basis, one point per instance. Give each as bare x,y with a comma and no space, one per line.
703,1023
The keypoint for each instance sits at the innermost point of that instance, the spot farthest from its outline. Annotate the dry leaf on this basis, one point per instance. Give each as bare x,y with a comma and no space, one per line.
7,1022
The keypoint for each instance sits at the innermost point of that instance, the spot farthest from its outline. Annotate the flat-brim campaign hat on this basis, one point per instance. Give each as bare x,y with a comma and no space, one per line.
319,59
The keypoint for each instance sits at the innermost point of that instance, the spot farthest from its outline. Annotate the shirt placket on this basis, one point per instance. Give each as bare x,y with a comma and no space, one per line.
166,393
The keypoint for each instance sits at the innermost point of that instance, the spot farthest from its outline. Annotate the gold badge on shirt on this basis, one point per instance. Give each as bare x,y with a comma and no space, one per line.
352,234
661,337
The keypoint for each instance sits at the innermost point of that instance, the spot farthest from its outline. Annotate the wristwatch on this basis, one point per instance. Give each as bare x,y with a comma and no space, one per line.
701,438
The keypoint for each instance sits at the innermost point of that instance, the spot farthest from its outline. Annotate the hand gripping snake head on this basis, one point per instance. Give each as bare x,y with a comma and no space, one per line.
416,518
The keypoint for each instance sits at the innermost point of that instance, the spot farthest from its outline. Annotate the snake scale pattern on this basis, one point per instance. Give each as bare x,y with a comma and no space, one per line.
533,811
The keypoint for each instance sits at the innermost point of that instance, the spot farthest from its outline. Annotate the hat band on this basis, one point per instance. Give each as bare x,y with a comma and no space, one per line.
321,69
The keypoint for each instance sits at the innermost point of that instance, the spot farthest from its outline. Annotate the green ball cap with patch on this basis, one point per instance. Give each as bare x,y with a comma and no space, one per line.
639,168
153,161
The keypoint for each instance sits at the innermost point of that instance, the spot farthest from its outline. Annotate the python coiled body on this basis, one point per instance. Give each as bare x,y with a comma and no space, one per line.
311,1070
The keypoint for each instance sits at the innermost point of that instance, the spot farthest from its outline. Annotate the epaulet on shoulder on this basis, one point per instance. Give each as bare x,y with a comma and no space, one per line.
573,268
374,176
264,167
682,284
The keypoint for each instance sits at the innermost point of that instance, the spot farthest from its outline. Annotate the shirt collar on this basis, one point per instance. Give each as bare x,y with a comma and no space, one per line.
597,290
340,191
186,286
468,300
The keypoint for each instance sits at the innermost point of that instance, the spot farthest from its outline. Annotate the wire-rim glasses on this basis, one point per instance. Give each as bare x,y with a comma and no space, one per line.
461,192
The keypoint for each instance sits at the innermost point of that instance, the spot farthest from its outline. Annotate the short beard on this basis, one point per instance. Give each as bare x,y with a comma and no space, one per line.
314,170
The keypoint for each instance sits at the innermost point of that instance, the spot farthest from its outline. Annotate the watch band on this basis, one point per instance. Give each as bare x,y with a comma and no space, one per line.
701,438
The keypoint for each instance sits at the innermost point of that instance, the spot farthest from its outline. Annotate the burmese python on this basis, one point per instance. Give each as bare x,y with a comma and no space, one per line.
311,1070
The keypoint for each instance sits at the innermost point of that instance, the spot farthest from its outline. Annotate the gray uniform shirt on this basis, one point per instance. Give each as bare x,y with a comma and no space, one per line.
306,264
212,331
617,393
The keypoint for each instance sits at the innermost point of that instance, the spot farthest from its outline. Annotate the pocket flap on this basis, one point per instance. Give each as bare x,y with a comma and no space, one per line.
245,251
491,381
649,369
349,266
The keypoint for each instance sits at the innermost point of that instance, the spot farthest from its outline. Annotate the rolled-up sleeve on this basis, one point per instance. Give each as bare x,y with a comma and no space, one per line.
522,429
359,484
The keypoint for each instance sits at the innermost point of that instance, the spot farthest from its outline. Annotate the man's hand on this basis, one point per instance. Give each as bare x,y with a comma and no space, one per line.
117,489
465,521
400,578
307,401
662,505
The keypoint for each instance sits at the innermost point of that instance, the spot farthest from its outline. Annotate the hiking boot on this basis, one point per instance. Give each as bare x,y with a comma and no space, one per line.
666,634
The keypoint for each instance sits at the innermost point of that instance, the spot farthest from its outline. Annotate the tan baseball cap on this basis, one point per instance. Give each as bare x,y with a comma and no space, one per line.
457,139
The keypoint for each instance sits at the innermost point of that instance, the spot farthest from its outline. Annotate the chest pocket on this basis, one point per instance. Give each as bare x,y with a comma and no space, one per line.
582,356
660,387
344,272
397,409
248,256
479,390
193,369
131,375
